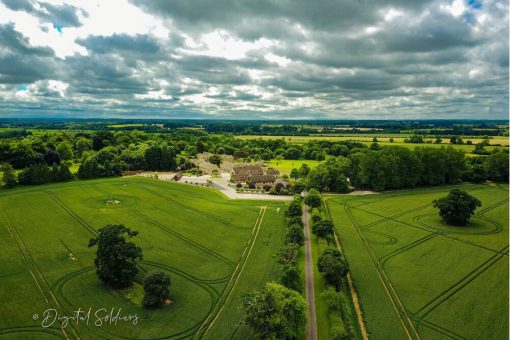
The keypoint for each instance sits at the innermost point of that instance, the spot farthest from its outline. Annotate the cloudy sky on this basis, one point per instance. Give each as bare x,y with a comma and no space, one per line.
334,59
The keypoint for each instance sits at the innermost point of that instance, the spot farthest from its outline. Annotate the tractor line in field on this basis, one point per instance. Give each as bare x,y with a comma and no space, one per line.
392,294
227,292
32,267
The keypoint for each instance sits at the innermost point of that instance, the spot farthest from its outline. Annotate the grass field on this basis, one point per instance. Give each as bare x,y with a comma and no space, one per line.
418,277
286,165
213,249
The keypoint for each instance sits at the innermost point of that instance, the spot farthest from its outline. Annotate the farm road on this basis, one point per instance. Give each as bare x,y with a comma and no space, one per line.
311,332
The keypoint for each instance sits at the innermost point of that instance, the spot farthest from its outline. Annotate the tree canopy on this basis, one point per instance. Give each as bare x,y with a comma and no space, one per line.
215,159
155,287
332,266
313,199
116,257
457,207
9,175
323,228
275,312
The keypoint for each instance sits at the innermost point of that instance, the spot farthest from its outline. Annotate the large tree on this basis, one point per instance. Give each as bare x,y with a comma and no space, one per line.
275,312
9,175
323,228
332,266
294,209
116,257
155,287
313,199
295,234
65,150
496,166
457,207
290,277
216,160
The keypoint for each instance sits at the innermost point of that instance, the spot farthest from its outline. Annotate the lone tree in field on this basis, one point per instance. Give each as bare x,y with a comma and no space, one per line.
332,266
115,257
457,207
275,312
313,199
155,287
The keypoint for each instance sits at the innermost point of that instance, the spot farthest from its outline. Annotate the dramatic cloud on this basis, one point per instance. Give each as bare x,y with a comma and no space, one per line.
335,59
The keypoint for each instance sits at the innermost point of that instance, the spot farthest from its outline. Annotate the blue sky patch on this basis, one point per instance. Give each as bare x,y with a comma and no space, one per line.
475,4
57,27
22,88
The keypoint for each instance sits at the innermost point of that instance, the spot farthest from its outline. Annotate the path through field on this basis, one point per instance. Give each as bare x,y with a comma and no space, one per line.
311,333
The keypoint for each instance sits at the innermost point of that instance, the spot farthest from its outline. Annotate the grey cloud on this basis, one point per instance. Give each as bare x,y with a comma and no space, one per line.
15,42
142,44
423,62
324,14
63,15
102,75
24,70
436,31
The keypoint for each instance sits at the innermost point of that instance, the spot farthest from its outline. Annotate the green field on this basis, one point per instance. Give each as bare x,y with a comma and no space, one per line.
286,165
381,138
212,248
419,278
384,141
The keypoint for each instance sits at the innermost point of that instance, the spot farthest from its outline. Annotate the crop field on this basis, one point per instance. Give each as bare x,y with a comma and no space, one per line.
420,278
212,248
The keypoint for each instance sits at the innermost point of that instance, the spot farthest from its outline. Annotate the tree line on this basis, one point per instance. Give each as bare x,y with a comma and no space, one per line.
347,164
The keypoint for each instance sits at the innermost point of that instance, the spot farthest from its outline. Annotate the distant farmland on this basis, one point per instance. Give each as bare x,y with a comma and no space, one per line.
418,277
398,140
212,248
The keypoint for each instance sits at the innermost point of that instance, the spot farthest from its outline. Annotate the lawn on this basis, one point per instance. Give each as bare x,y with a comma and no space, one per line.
418,277
212,248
